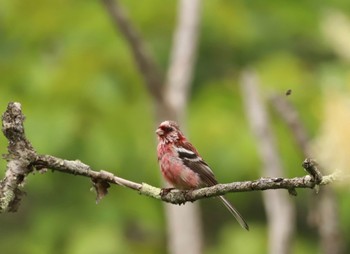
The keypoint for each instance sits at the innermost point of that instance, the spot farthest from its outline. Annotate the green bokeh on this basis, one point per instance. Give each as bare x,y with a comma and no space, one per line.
84,99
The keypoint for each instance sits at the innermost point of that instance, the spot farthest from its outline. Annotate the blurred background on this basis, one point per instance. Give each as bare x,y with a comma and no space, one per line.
84,97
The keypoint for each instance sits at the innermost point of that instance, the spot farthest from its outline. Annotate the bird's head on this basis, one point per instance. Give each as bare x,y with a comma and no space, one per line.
168,131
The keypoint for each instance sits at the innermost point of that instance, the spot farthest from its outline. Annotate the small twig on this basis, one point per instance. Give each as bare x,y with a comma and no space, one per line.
78,168
310,167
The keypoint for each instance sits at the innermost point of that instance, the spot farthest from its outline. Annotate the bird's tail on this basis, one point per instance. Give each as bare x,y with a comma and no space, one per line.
234,212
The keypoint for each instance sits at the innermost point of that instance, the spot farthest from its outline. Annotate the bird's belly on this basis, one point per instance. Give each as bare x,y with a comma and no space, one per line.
178,175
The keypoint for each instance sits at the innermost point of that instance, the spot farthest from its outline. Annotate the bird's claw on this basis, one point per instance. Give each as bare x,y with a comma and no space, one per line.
188,195
165,191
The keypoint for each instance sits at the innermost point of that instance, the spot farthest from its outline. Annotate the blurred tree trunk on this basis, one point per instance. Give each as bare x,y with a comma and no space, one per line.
326,211
184,223
279,209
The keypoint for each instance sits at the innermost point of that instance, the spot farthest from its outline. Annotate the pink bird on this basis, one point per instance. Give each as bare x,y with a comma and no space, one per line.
183,167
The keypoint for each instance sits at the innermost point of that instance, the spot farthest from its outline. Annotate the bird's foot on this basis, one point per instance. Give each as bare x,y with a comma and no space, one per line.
188,195
165,191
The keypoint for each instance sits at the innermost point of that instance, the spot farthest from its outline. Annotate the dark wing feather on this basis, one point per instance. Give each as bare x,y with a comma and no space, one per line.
192,160
203,170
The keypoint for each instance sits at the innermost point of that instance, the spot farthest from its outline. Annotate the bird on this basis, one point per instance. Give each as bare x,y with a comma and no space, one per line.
183,167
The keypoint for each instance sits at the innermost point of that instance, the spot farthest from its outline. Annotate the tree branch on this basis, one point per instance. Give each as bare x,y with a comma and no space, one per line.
143,59
23,159
20,155
178,196
290,116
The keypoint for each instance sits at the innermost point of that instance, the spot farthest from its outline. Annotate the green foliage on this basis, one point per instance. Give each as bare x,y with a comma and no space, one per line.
233,240
84,99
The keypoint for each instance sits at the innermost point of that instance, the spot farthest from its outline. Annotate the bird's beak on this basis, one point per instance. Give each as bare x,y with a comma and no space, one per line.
159,132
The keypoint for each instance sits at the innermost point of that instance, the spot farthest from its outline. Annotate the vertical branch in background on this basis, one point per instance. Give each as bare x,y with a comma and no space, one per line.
326,209
291,117
327,222
184,225
144,60
184,222
183,56
279,209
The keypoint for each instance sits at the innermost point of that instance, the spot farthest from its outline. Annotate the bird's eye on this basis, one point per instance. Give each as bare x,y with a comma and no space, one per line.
168,129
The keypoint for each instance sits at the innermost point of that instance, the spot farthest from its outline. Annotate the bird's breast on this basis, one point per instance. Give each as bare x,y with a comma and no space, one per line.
175,172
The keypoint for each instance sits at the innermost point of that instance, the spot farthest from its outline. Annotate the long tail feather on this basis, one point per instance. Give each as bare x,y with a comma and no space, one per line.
234,212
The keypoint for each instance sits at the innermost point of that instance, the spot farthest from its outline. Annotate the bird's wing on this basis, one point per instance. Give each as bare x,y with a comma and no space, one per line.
190,157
